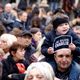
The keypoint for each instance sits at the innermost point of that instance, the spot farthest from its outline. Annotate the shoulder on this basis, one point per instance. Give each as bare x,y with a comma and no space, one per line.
4,13
5,64
7,60
75,71
24,62
71,32
32,48
75,67
50,34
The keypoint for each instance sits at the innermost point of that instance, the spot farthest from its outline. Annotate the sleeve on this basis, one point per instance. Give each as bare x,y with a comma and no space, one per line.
6,20
46,44
76,41
5,70
17,76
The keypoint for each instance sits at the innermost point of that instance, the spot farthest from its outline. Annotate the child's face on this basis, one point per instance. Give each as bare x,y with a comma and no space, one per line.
62,28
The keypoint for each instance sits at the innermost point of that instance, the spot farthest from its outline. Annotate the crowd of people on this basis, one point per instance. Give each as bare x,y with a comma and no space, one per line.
40,42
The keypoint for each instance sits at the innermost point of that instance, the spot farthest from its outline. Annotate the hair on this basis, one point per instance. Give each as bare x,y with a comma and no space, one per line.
16,32
60,15
15,47
8,5
2,28
59,10
20,13
48,28
9,38
37,20
35,11
44,67
34,30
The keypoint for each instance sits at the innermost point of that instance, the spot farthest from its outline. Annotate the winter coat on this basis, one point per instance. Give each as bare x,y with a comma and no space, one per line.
48,42
72,73
12,67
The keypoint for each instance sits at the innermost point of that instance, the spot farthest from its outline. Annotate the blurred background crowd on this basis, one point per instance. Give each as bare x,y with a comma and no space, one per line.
27,22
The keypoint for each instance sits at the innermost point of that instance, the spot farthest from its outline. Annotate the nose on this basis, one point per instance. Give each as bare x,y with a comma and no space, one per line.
64,26
23,52
64,58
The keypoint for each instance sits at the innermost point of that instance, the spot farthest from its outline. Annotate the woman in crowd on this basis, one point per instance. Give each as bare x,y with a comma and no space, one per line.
39,71
37,41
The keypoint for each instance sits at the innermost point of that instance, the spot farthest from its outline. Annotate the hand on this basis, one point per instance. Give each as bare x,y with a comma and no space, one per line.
72,46
33,58
56,78
10,76
50,50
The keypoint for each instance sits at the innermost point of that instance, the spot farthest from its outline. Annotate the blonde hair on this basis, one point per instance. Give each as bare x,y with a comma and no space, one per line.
9,38
44,67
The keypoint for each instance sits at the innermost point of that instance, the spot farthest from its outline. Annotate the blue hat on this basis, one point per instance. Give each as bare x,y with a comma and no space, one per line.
62,42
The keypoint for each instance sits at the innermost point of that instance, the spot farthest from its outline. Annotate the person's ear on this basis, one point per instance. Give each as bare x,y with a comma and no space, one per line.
54,56
13,53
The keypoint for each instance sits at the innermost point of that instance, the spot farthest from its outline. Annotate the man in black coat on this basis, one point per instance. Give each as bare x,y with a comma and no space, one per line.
26,39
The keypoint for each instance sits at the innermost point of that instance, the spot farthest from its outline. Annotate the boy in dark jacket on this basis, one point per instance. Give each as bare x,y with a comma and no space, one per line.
61,27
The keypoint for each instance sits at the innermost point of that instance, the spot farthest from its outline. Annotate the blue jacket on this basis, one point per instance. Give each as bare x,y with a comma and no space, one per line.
7,20
48,42
73,71
29,51
21,25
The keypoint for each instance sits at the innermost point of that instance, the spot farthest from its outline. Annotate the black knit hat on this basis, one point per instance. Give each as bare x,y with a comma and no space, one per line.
62,42
59,20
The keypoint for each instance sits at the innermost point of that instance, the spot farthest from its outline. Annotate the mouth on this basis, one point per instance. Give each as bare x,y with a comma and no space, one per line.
65,30
65,63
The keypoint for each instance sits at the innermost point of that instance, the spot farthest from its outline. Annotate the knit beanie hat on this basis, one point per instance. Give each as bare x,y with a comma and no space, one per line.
60,19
